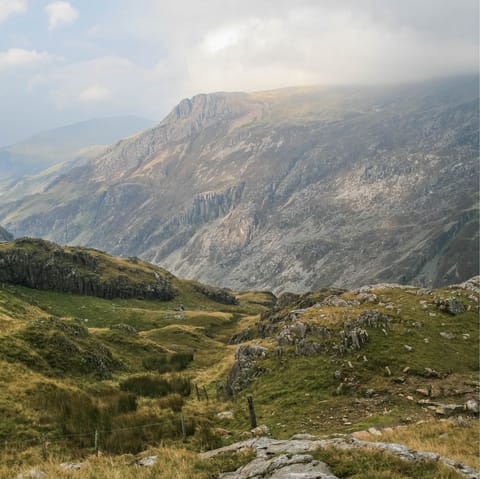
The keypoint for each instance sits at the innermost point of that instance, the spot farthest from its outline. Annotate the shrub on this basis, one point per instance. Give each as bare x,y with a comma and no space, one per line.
180,361
173,401
172,363
127,402
152,386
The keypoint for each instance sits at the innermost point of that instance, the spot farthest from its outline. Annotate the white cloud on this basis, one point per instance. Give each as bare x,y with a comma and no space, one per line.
60,13
95,93
11,7
18,57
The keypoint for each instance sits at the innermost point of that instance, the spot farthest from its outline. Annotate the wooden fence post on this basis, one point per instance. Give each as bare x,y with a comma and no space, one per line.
97,450
44,446
251,412
197,391
184,430
205,391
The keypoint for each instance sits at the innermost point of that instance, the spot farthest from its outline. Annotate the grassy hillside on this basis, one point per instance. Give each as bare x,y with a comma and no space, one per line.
131,368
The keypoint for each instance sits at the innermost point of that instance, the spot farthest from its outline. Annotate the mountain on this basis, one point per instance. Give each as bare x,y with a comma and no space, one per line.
5,235
293,189
21,163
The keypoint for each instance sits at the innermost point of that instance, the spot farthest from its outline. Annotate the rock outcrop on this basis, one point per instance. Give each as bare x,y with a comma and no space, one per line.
245,369
277,459
44,265
220,295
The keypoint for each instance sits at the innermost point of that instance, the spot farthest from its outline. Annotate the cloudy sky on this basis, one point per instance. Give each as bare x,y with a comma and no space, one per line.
66,61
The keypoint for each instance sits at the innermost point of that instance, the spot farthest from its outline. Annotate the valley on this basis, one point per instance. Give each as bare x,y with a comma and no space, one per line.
287,190
390,363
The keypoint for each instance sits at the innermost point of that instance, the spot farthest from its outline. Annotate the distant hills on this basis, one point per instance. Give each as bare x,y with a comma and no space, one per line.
292,189
5,235
27,166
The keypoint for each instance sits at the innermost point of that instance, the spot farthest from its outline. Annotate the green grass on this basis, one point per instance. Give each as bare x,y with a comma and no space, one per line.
371,464
39,355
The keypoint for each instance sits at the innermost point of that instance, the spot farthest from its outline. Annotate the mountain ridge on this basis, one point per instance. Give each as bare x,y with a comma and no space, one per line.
297,190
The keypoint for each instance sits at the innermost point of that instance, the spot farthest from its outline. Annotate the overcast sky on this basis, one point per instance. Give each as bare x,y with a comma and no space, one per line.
62,62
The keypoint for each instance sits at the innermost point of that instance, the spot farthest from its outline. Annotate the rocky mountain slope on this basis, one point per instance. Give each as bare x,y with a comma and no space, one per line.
292,189
29,166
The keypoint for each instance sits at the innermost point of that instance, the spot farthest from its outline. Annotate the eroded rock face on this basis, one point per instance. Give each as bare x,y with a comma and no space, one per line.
244,368
285,191
44,265
220,295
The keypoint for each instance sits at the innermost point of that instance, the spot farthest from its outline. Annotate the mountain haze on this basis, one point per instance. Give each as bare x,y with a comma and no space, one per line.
27,166
291,189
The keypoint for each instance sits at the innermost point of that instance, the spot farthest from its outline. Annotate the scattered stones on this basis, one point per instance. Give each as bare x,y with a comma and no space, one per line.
424,391
225,415
369,393
450,305
472,405
32,474
335,301
447,409
367,297
424,292
261,430
71,466
387,371
146,461
408,348
447,335
472,284
303,437
431,373
374,431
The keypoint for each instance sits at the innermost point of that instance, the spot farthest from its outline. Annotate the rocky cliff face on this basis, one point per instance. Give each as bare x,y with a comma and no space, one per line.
43,265
288,190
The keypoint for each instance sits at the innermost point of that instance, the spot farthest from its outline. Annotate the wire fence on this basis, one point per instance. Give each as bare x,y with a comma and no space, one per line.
46,438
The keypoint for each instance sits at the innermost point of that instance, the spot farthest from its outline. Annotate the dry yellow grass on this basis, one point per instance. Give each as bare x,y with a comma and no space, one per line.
445,437
172,463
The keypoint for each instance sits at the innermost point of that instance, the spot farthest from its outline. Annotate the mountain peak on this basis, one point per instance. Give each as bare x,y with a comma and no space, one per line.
293,190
